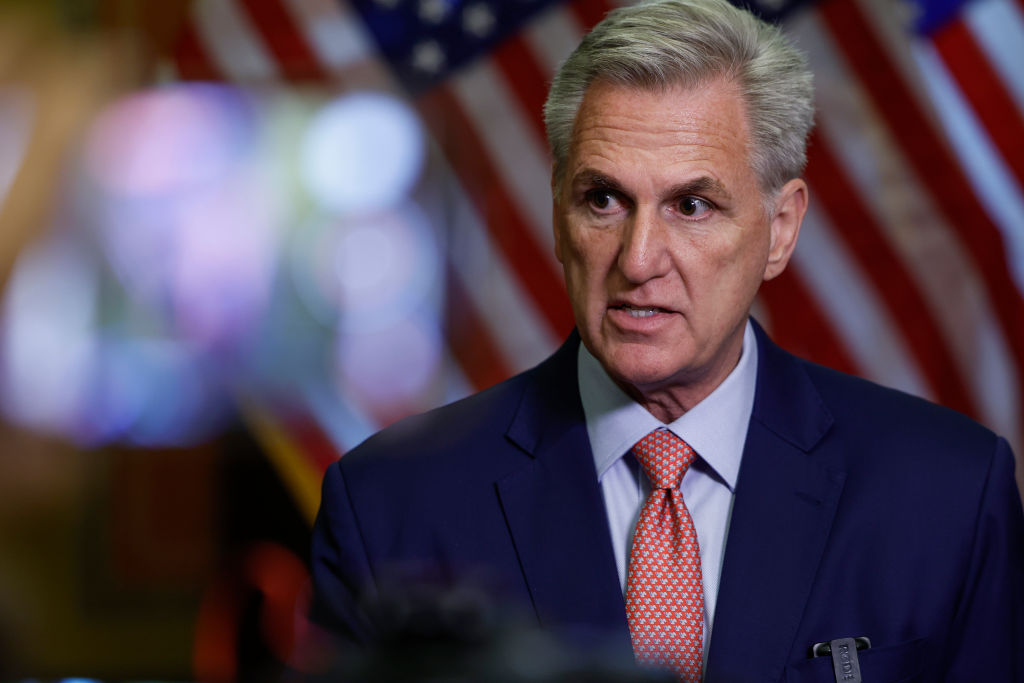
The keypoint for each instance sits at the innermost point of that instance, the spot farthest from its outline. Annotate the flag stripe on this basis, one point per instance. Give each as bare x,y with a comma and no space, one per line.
998,26
900,271
984,89
280,34
854,309
794,313
866,240
465,152
929,249
527,79
553,36
986,170
958,293
892,29
589,12
191,58
937,170
345,423
519,332
470,341
228,34
337,40
521,159
311,441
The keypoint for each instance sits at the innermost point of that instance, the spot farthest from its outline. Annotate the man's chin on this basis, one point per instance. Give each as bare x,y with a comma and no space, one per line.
642,374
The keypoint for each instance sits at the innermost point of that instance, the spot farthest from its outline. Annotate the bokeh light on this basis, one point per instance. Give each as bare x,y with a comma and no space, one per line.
152,392
62,374
47,336
362,152
372,270
189,201
224,257
169,140
391,365
195,236
178,397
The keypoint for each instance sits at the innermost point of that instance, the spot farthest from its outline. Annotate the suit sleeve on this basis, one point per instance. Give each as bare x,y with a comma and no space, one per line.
988,631
340,567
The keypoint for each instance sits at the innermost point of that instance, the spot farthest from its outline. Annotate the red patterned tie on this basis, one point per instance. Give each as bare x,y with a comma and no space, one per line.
664,589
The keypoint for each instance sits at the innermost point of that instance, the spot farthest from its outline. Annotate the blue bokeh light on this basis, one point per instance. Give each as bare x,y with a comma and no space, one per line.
370,270
47,336
393,365
362,152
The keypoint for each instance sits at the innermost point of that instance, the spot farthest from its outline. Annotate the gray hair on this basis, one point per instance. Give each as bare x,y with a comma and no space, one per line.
662,43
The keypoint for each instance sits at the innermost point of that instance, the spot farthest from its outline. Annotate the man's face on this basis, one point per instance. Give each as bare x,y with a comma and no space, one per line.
662,231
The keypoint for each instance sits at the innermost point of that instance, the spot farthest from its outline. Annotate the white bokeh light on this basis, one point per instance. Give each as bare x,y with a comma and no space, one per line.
387,267
362,152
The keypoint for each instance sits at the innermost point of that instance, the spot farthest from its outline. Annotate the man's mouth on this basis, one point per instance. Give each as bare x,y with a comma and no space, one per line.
641,311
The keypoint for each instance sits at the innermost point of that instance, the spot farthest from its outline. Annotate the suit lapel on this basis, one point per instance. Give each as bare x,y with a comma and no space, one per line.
784,506
555,510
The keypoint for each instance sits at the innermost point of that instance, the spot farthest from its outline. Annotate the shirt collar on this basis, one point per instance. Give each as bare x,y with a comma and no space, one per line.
715,428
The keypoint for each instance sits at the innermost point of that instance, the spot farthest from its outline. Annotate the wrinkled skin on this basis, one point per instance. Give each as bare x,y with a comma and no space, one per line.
665,237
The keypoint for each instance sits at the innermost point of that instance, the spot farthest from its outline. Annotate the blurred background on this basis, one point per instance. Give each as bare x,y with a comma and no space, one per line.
239,236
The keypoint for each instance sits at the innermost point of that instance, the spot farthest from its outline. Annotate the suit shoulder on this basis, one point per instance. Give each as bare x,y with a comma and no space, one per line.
466,445
459,432
476,419
866,411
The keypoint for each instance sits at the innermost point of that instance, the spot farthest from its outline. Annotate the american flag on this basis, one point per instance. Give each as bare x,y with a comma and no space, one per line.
910,267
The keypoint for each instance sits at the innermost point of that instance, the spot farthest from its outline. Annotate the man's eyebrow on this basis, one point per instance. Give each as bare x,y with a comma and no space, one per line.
591,178
704,185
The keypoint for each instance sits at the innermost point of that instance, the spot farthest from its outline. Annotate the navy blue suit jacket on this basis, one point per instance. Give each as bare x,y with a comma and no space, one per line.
859,511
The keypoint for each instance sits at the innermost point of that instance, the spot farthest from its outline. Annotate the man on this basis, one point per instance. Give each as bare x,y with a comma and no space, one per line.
676,482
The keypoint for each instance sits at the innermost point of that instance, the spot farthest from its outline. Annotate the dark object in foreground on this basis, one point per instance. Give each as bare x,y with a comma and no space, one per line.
427,633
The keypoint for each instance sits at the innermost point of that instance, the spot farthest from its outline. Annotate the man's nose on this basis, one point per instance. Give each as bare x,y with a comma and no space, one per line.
643,253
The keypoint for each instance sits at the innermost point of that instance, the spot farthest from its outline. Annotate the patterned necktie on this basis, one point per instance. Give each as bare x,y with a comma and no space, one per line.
664,588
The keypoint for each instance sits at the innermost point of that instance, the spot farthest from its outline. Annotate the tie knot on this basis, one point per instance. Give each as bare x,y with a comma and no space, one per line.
665,458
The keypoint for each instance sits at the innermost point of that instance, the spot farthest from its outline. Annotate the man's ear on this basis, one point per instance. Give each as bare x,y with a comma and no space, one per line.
790,207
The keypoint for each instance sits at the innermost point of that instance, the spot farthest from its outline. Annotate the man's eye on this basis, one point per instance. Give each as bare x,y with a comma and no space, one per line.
602,200
693,207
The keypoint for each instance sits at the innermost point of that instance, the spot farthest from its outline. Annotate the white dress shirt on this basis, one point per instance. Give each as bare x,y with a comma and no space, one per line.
715,428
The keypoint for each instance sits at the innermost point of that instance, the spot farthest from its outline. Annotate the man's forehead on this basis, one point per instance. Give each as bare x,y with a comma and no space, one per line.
711,106
676,123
